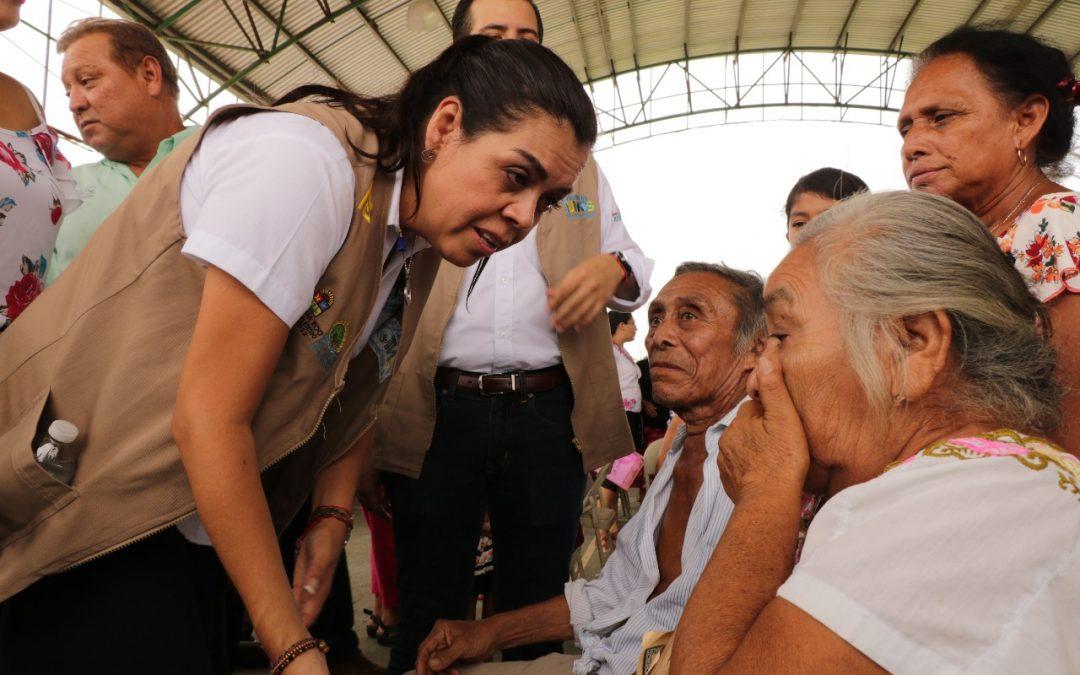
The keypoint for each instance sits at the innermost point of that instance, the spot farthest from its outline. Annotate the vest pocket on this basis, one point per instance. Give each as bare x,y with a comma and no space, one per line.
28,493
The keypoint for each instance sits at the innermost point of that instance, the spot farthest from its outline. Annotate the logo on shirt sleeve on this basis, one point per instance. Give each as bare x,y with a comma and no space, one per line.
579,206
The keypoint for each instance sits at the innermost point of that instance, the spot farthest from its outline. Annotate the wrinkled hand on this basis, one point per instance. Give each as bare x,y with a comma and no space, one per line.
315,564
765,447
584,292
453,642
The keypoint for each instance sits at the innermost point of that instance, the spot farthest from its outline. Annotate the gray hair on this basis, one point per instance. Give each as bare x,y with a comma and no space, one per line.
892,255
748,298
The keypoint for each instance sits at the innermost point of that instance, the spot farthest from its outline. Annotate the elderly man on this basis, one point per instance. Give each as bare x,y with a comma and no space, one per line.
123,94
703,327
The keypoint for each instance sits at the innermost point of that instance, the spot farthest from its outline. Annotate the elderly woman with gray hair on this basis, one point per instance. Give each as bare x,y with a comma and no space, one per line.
908,365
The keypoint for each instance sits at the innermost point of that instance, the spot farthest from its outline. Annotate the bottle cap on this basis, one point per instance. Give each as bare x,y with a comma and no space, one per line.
63,431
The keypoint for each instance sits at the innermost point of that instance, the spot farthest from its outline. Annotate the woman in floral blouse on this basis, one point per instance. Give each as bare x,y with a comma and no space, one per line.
987,122
36,189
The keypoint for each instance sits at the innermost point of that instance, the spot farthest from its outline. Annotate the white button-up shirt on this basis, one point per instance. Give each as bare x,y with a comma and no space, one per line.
612,613
505,326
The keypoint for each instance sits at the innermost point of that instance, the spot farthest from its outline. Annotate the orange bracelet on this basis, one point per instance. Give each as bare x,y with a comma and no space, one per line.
322,512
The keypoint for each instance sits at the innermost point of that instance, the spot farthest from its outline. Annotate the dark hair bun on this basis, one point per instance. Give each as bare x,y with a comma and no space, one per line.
1018,66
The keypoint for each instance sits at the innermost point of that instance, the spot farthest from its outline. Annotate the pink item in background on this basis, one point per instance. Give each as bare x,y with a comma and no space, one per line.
626,469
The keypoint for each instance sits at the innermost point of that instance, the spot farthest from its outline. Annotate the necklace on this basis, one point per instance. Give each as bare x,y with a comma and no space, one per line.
1008,218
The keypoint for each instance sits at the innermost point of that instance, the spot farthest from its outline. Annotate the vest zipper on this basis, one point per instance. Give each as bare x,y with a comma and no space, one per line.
162,528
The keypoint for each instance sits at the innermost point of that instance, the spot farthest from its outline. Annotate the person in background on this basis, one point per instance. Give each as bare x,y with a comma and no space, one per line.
624,330
36,189
508,396
815,192
627,468
123,93
654,418
988,121
703,328
907,359
382,618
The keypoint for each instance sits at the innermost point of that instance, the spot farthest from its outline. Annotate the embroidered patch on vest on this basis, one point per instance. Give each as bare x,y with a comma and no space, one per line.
322,301
330,345
365,205
579,206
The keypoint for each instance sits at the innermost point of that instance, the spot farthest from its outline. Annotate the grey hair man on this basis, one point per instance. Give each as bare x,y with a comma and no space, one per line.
703,329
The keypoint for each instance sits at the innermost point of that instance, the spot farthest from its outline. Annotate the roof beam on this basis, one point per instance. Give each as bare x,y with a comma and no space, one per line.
633,30
172,18
978,10
903,26
847,22
446,19
581,41
686,27
379,36
300,45
604,37
738,26
1042,17
1017,10
213,66
247,70
795,21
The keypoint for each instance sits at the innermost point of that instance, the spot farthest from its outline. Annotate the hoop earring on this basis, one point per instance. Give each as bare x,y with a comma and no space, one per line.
428,156
1023,158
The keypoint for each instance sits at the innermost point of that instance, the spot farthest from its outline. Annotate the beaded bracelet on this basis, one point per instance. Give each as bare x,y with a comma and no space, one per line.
320,513
297,648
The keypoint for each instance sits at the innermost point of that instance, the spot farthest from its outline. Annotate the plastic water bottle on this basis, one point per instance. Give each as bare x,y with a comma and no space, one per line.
53,454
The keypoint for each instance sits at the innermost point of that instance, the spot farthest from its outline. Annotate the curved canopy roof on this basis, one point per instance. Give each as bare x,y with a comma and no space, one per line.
259,49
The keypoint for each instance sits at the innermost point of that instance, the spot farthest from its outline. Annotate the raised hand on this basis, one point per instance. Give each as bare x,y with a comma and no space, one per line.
766,444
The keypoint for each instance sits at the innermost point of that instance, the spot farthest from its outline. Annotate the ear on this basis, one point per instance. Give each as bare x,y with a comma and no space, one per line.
150,73
1029,118
444,125
926,341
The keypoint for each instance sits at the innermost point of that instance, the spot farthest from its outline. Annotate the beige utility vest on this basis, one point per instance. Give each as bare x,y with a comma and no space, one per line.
103,348
565,238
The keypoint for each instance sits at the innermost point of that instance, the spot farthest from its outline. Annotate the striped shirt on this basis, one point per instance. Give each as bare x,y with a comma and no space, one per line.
612,613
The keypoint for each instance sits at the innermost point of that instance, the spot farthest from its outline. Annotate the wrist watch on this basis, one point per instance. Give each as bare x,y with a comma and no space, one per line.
628,272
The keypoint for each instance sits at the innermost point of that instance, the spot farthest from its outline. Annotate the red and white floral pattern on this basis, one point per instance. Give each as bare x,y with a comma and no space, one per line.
36,189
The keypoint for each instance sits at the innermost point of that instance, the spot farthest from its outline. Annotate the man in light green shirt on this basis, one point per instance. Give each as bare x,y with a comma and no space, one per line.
123,93
102,186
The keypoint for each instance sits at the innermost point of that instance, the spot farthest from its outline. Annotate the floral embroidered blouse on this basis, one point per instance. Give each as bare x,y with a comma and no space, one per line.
1044,245
36,189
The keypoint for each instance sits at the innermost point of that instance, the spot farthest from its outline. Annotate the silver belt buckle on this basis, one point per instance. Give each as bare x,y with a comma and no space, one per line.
480,384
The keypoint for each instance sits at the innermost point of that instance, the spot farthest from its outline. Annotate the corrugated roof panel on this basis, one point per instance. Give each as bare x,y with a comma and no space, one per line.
415,48
659,28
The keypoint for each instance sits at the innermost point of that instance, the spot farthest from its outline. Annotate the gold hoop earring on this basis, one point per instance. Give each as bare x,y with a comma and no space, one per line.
428,156
1023,157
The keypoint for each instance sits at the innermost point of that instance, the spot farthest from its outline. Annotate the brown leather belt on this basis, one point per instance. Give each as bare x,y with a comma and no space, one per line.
496,384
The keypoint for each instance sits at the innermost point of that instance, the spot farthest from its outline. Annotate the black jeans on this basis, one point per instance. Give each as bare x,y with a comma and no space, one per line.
513,459
161,605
